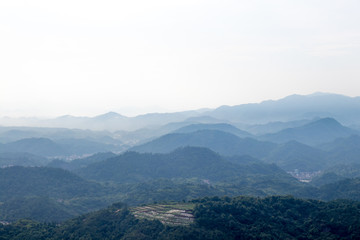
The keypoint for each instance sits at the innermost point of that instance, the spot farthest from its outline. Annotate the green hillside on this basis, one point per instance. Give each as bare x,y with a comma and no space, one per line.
207,218
42,181
187,162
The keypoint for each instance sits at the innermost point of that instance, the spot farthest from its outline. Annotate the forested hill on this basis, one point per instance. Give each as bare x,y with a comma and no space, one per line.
213,218
80,162
187,162
42,181
294,155
224,143
314,133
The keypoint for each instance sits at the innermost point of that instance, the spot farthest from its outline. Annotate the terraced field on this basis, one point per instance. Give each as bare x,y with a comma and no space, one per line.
170,214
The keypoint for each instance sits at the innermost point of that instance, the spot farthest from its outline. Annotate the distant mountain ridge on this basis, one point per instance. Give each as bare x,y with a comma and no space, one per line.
48,148
37,146
314,133
224,143
225,127
302,148
294,107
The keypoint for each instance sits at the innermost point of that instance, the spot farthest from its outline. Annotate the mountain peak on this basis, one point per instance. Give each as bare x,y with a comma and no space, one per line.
109,115
328,121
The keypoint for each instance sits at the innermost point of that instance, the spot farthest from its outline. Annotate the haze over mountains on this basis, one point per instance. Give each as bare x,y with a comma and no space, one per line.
304,146
306,141
313,133
294,107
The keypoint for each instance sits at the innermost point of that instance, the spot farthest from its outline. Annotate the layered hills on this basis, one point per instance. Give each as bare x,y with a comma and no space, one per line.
187,162
141,178
310,147
294,155
224,127
207,218
255,150
60,148
41,181
221,142
291,108
314,133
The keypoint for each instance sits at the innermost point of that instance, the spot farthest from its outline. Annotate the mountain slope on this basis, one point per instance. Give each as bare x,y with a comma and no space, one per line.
224,143
224,127
344,189
188,162
345,170
62,147
42,181
215,218
40,209
343,150
12,134
80,162
294,107
314,133
294,155
37,146
21,159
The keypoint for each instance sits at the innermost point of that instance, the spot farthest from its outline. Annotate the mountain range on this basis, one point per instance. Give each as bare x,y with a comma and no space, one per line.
221,142
314,133
291,108
313,146
257,149
61,148
188,162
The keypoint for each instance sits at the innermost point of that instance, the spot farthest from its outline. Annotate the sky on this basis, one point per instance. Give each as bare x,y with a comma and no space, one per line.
86,58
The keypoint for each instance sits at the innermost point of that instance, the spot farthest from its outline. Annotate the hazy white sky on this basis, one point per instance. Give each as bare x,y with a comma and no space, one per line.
90,57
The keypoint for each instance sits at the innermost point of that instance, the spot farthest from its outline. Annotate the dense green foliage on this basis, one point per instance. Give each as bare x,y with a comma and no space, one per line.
215,218
46,194
26,229
279,218
135,179
42,181
50,195
36,208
